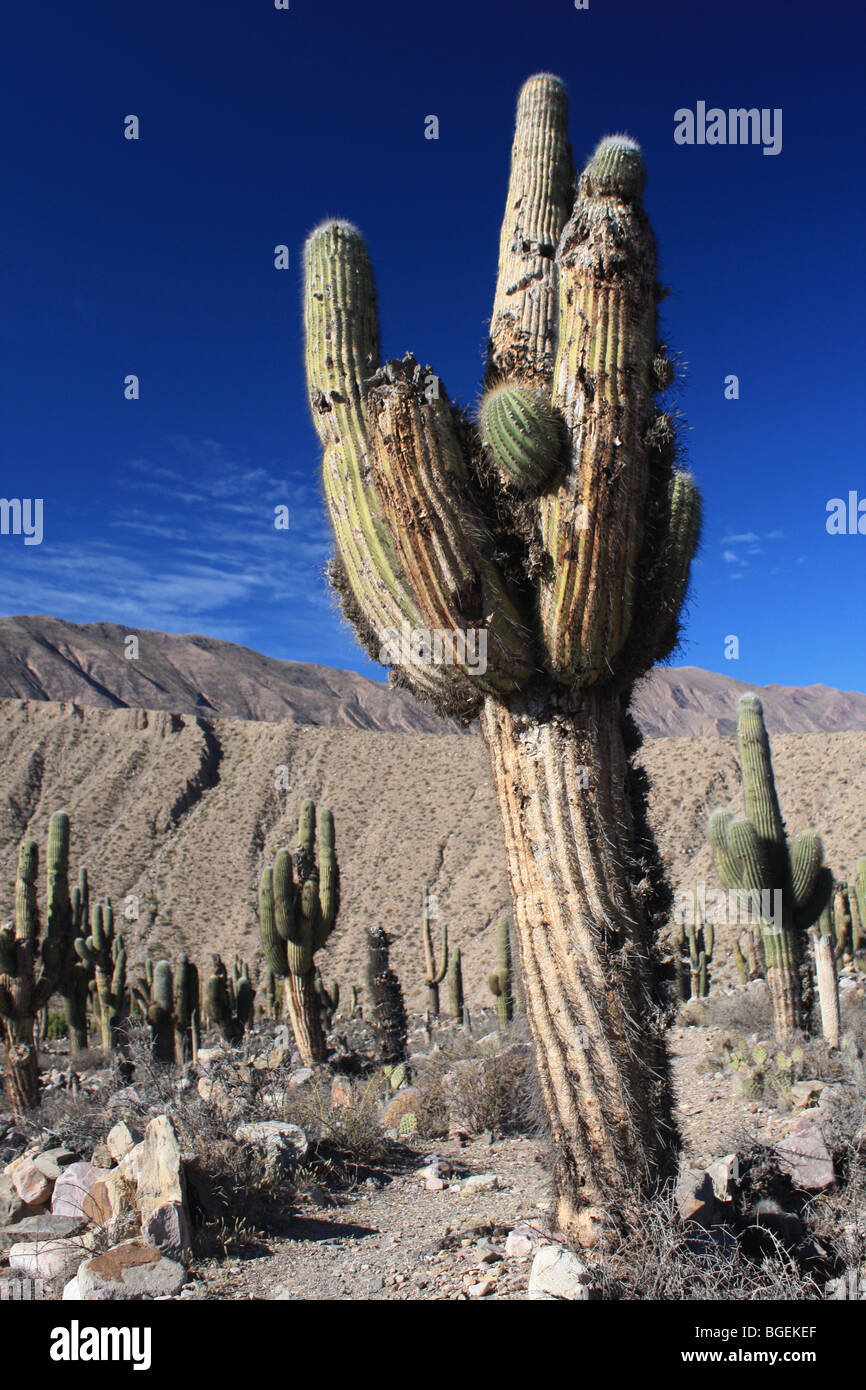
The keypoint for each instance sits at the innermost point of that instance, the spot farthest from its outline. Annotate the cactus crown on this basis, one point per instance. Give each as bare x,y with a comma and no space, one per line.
572,552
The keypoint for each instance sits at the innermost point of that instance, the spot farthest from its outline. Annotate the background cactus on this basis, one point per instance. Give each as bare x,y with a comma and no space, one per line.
30,963
298,907
73,984
455,985
230,1000
329,1000
752,854
499,983
433,974
693,945
575,582
105,955
387,1012
187,1011
155,996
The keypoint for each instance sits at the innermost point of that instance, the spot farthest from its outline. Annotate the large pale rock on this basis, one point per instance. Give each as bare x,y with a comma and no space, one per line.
73,1186
557,1273
109,1197
161,1193
804,1156
42,1226
724,1174
132,1269
120,1139
31,1184
480,1182
47,1259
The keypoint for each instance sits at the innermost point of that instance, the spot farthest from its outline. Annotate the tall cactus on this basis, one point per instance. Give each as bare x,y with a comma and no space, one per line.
568,558
752,855
857,907
433,974
187,1011
29,967
694,945
73,984
455,984
298,905
105,954
499,983
155,996
387,1009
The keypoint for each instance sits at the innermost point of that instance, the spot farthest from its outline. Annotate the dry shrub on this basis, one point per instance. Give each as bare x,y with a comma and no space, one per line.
346,1137
663,1260
480,1091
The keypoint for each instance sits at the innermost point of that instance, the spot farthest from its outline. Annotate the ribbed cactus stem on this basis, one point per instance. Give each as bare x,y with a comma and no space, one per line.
434,972
455,985
752,853
299,901
499,983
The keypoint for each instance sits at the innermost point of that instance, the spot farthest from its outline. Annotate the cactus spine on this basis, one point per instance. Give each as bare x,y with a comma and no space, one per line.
298,907
576,582
499,983
433,974
753,856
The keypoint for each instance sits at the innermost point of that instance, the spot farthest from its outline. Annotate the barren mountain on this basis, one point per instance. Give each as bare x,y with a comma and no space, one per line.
44,658
176,815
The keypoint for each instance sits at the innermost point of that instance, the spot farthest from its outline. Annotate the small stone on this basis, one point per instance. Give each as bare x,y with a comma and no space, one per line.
434,1185
102,1157
557,1273
724,1174
481,1289
695,1196
31,1184
209,1057
53,1161
518,1245
132,1269
284,1141
805,1093
480,1182
299,1077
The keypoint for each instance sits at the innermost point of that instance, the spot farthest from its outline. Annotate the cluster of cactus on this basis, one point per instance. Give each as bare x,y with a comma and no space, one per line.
752,855
434,973
693,953
500,981
387,1009
298,907
30,961
230,999
844,917
171,1008
104,953
760,1068
272,1005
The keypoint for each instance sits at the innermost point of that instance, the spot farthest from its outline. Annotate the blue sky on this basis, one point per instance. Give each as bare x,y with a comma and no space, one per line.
156,257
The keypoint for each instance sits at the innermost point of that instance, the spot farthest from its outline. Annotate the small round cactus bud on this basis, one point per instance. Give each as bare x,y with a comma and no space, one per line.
616,168
522,431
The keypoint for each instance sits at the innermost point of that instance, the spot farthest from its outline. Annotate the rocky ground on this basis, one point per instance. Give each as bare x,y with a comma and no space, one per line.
291,1184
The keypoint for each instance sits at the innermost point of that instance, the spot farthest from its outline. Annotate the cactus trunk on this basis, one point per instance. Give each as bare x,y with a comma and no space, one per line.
579,927
302,1007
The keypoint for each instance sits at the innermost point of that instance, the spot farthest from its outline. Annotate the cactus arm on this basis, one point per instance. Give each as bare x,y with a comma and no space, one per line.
540,188
759,785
